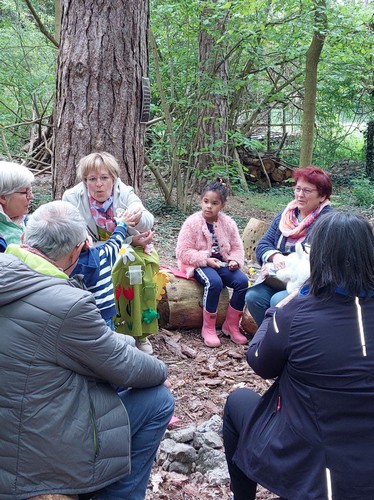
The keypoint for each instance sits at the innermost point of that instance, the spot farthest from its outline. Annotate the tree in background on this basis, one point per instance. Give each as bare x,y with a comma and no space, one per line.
102,60
212,114
310,87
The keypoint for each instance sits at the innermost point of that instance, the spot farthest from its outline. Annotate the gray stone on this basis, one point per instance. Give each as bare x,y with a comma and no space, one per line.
209,439
203,456
183,435
213,424
209,459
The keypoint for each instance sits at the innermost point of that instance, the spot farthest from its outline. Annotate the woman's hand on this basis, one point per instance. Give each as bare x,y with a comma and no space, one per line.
128,217
142,239
278,261
265,270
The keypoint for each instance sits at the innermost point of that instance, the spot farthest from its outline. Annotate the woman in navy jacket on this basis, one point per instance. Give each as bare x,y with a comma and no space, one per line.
310,436
294,224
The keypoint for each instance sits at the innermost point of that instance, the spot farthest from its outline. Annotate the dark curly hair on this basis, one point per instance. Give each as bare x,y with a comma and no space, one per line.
218,186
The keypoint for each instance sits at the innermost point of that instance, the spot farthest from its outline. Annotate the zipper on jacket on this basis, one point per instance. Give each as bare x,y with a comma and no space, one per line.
94,430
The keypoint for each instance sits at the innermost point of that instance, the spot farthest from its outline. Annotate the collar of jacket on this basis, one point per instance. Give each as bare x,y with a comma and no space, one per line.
35,262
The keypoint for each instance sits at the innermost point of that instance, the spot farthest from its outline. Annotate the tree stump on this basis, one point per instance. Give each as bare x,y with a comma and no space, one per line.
253,232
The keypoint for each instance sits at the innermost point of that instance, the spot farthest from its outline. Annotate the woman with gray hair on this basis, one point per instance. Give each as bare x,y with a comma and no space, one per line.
15,198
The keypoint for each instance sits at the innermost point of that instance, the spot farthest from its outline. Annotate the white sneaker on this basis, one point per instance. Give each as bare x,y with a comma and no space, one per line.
144,345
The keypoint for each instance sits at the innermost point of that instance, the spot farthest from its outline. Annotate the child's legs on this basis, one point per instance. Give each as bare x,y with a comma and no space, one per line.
212,283
238,281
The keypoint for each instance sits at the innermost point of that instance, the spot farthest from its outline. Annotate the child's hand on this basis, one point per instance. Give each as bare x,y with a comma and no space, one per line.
233,265
129,218
214,263
142,239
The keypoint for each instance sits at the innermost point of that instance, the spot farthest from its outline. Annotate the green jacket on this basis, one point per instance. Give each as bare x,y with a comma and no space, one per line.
10,231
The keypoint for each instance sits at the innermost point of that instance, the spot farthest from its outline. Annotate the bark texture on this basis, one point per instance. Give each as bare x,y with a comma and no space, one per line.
103,57
213,116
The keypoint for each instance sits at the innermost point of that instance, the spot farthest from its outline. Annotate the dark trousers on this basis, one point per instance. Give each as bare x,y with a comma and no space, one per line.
213,280
239,407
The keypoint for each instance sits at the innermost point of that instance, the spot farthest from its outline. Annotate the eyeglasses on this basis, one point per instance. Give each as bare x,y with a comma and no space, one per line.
306,191
85,242
103,179
27,192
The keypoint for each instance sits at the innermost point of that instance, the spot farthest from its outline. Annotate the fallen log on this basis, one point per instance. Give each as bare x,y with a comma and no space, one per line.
181,305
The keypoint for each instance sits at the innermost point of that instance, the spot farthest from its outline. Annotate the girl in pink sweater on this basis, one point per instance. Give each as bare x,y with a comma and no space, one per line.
210,249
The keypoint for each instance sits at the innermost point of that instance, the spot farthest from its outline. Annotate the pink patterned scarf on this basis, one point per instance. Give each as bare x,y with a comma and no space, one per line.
103,213
291,226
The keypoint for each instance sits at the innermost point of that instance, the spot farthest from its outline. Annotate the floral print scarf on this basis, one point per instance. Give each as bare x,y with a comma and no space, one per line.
291,226
103,213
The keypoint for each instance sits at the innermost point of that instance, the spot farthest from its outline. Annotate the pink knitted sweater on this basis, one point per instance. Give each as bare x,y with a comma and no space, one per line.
194,245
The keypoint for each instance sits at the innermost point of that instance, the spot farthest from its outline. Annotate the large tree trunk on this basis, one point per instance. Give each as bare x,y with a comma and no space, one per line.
213,116
103,57
311,72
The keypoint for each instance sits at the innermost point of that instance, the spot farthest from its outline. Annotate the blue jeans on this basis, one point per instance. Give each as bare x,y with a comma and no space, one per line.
150,411
259,298
213,280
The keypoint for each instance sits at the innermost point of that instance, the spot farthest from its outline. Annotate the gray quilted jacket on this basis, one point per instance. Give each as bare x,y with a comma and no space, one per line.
63,429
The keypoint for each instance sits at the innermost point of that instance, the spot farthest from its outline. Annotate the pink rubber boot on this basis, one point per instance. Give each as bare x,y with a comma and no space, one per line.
208,331
231,326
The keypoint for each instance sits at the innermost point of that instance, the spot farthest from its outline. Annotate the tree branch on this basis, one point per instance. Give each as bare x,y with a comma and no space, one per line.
40,24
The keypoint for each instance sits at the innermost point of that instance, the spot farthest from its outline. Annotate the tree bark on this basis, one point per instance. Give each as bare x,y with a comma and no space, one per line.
212,117
103,57
311,72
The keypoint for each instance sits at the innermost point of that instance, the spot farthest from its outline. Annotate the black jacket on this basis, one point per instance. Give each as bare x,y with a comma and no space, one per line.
316,423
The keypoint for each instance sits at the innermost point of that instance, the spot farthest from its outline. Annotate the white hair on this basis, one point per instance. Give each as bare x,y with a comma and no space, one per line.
14,177
55,228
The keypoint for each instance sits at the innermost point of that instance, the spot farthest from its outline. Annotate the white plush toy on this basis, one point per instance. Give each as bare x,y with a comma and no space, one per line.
296,270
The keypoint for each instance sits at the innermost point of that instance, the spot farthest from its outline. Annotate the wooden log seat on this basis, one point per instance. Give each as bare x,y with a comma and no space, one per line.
181,305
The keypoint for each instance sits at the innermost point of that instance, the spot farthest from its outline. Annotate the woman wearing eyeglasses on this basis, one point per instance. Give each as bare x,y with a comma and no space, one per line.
312,192
15,198
100,197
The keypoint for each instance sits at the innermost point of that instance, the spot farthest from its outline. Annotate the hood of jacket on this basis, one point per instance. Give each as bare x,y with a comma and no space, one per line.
89,265
18,277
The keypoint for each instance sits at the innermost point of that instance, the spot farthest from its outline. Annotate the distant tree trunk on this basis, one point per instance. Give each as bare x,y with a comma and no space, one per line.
213,116
369,153
310,91
103,57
